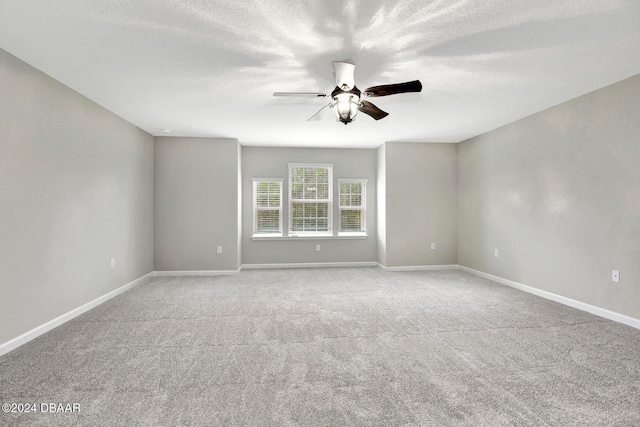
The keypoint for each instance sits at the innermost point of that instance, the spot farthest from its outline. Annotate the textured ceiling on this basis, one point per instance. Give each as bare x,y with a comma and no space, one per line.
209,68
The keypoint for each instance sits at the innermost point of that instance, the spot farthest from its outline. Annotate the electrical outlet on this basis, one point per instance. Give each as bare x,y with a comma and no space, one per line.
318,248
113,262
433,245
219,250
615,276
495,253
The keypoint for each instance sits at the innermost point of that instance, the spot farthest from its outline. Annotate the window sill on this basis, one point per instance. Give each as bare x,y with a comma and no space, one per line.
341,236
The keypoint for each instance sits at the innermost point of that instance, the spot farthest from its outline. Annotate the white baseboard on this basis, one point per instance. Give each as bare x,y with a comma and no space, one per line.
46,327
309,265
607,314
196,273
419,267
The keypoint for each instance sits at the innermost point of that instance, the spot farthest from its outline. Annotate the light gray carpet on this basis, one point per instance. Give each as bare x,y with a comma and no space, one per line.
329,347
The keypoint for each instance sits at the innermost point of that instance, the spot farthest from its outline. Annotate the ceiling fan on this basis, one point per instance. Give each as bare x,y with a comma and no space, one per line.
346,98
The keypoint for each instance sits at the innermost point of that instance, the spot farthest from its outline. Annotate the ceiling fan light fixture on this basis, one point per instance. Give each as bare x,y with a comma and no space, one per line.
346,106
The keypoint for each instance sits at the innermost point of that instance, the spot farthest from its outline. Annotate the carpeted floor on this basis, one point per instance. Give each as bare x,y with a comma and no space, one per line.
328,347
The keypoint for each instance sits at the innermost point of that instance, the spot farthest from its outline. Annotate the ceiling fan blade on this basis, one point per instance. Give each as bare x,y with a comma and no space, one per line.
309,94
319,114
384,90
344,75
370,109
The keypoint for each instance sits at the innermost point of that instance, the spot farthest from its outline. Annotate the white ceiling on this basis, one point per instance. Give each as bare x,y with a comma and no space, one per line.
209,67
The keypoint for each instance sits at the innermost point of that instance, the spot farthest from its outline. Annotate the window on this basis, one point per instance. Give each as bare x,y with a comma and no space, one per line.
310,205
310,199
353,205
267,206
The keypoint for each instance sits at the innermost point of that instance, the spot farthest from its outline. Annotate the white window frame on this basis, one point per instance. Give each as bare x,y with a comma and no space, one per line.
329,200
362,208
257,208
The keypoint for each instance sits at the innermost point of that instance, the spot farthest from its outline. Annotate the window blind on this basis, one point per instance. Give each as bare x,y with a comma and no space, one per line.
310,199
267,205
352,195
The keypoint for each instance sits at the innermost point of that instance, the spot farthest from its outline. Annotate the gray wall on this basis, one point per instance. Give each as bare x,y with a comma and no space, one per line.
264,162
76,189
421,204
558,193
381,188
196,204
